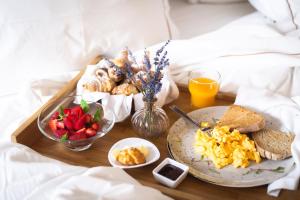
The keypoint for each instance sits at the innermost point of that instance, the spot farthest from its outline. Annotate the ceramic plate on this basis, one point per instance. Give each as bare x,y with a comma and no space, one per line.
133,142
181,139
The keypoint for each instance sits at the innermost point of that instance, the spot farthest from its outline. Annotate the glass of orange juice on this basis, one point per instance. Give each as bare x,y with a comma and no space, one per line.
204,86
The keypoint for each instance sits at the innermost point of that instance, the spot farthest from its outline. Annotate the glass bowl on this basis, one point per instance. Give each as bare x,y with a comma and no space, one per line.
106,122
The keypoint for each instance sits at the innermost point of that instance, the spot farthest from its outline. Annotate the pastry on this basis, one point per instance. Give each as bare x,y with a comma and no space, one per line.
131,156
99,85
125,88
121,59
105,63
108,68
92,85
101,73
106,85
116,74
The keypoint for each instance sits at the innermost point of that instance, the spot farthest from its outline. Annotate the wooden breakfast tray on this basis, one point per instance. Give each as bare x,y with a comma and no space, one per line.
191,188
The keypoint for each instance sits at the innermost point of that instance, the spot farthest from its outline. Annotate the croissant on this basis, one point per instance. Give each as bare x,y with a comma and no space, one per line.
102,85
92,85
121,59
101,73
106,85
125,88
116,74
105,63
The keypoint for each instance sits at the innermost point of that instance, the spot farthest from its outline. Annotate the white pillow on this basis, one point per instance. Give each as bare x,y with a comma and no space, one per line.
281,14
39,38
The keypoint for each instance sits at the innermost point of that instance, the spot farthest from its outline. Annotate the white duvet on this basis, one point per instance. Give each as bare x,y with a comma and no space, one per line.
246,52
28,175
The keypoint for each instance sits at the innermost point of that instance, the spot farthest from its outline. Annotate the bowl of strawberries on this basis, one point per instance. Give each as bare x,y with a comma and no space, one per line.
75,122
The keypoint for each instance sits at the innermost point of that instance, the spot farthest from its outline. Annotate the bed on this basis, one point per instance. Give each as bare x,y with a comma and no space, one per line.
247,51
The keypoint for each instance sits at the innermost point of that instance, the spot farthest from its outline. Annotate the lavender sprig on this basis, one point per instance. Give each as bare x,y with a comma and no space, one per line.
119,72
146,61
131,56
151,85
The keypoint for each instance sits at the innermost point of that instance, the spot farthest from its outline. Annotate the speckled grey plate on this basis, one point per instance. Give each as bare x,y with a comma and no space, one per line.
181,140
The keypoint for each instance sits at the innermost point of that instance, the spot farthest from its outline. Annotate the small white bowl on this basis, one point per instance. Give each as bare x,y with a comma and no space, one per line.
166,181
133,142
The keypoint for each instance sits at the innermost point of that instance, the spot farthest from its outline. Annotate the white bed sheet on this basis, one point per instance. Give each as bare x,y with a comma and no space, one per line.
196,19
276,70
27,175
246,52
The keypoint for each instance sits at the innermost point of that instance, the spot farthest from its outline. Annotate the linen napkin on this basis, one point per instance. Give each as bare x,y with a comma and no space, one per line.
121,105
287,111
25,174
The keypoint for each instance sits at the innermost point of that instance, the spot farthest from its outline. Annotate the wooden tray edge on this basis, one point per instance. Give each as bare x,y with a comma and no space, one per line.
17,135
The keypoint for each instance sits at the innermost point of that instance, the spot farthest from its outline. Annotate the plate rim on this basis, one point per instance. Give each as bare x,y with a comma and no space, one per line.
192,171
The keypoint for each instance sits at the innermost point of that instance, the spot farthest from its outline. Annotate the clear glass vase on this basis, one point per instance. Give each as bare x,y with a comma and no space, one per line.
150,121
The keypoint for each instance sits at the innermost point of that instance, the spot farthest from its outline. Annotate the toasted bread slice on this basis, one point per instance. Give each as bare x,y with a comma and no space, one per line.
243,119
273,145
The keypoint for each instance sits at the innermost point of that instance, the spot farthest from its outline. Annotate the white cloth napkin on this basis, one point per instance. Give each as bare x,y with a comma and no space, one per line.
122,104
285,110
26,174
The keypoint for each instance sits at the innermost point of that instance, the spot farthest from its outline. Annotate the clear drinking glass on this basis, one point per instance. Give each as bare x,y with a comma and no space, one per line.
204,86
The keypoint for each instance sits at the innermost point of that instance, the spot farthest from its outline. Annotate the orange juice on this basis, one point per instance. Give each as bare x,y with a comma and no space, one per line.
203,91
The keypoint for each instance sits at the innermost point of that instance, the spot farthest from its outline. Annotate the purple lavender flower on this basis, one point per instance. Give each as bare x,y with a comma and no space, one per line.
146,61
152,84
129,71
131,56
119,72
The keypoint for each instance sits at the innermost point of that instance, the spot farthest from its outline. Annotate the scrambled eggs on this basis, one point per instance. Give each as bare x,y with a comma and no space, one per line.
224,147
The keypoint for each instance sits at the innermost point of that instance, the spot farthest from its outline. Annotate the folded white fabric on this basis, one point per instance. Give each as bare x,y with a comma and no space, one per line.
122,104
285,110
244,53
24,174
17,107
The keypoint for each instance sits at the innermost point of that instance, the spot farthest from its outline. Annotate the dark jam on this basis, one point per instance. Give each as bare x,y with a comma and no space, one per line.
170,171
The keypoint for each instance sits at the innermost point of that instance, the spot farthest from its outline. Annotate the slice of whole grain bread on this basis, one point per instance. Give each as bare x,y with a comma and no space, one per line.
273,144
243,119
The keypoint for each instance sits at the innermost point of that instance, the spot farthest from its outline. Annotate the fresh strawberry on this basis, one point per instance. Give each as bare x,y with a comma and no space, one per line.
80,131
77,111
77,136
67,111
90,132
52,125
73,118
80,123
60,125
60,132
95,126
88,118
55,115
68,123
